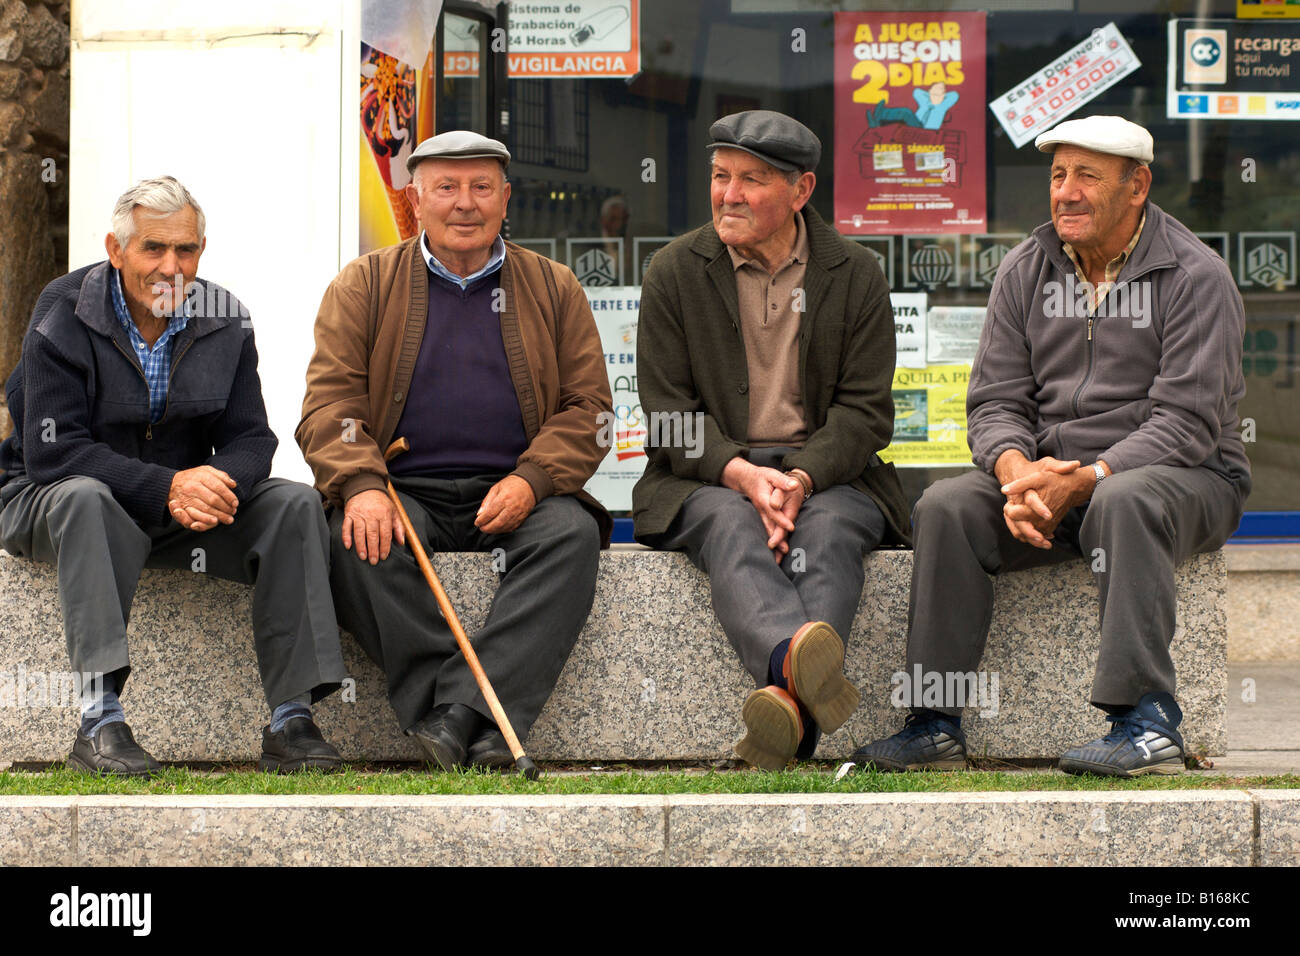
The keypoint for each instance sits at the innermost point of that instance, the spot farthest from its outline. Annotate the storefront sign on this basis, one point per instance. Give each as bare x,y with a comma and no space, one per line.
1261,9
1234,69
572,38
909,125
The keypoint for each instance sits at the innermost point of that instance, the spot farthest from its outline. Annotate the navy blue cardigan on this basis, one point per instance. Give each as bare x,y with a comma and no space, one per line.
80,402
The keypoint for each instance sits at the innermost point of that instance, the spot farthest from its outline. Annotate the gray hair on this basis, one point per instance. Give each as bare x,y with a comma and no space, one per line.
790,177
163,196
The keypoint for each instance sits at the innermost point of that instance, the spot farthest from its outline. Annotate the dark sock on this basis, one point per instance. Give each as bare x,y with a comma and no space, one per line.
927,713
775,662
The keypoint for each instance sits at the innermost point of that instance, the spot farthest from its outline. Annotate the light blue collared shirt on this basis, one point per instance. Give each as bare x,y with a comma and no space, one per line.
437,268
156,362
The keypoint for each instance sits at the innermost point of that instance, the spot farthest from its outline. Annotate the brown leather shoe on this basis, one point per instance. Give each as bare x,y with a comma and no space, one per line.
773,728
814,672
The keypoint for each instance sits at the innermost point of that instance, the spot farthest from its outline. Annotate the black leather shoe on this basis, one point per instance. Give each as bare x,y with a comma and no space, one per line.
112,750
445,734
489,750
298,745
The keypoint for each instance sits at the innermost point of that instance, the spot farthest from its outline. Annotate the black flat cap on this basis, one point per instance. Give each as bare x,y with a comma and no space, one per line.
773,137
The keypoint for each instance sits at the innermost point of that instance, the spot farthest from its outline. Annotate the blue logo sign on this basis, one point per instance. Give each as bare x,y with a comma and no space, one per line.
1206,52
1193,104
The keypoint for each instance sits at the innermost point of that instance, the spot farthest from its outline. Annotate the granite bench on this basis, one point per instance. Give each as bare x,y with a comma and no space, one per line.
652,677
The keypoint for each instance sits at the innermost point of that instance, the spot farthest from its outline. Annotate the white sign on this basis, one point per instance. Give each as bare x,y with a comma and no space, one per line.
1057,90
909,328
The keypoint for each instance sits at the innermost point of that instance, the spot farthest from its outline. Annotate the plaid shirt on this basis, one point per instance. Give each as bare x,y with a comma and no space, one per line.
156,363
1112,268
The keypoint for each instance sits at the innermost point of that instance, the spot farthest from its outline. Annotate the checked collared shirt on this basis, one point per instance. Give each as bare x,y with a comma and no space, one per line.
156,362
1112,268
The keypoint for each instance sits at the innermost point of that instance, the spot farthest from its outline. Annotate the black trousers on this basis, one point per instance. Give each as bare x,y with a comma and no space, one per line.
541,604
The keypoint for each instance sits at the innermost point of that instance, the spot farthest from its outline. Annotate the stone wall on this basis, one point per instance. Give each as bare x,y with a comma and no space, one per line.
34,119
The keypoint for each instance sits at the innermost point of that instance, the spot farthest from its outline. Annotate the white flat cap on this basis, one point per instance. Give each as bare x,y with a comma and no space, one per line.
1104,134
458,144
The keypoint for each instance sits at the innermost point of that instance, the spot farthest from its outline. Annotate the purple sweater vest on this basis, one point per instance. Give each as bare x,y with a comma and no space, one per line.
462,416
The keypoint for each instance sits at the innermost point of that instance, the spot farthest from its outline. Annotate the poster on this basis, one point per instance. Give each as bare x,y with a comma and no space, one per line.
1234,69
909,123
930,394
1042,100
395,109
616,311
929,417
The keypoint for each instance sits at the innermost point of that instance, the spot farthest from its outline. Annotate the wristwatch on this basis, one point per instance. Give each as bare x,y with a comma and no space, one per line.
1099,471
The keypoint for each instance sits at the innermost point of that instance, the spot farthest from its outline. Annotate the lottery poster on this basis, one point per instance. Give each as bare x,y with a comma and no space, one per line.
909,123
1042,100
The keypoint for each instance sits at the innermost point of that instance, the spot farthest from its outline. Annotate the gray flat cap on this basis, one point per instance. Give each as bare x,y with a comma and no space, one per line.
773,137
458,144
1101,134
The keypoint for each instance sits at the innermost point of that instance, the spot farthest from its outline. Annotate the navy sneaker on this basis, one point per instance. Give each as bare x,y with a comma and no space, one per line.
928,741
1142,740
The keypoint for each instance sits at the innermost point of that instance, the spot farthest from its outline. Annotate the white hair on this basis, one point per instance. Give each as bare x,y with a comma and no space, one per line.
163,196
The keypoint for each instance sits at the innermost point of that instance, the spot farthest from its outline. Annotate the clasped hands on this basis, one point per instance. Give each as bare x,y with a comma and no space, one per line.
201,498
775,495
1040,493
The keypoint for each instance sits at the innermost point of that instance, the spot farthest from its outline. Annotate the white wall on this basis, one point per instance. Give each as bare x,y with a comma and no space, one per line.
252,105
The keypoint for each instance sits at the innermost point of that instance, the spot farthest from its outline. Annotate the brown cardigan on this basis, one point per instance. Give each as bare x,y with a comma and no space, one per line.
368,334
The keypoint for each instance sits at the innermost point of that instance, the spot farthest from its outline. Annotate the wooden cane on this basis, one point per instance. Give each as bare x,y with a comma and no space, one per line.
523,763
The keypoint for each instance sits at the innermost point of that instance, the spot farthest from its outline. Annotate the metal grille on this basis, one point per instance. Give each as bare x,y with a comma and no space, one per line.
549,123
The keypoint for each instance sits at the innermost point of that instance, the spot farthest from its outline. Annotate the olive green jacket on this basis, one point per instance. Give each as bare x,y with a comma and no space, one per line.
691,358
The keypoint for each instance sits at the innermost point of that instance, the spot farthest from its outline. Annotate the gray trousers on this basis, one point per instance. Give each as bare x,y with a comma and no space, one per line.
758,602
1145,521
277,543
541,604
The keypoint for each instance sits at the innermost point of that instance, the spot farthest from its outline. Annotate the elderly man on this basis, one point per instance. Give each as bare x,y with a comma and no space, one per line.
771,338
141,440
1103,420
485,357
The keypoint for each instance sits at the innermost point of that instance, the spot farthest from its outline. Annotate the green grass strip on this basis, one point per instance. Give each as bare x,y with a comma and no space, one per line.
616,780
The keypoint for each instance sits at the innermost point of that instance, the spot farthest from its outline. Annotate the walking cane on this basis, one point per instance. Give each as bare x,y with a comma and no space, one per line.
523,763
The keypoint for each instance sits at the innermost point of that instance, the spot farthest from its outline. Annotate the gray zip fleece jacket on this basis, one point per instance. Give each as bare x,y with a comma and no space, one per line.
1153,378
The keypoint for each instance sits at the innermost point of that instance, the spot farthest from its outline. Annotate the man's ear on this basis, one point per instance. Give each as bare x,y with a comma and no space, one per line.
804,190
413,197
1141,184
114,249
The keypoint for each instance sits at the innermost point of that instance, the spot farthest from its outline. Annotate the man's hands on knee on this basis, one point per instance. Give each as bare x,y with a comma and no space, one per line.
201,498
1040,493
370,522
777,497
505,506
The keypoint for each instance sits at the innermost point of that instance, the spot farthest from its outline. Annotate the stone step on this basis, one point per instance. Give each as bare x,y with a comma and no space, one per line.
652,676
1039,828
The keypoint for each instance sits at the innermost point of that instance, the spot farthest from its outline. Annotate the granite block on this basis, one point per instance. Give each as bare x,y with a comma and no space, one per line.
1279,827
652,676
963,829
370,831
36,831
